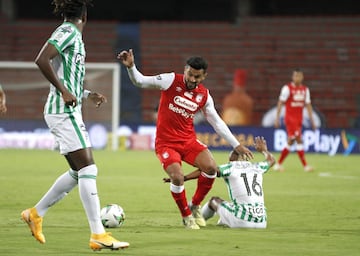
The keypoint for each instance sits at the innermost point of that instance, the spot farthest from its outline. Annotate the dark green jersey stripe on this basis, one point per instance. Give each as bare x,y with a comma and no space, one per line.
78,131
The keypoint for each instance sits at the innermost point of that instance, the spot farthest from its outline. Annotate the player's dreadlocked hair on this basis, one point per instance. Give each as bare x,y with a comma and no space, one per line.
71,8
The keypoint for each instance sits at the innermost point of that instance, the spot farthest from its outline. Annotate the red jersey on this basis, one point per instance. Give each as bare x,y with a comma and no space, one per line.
295,98
176,112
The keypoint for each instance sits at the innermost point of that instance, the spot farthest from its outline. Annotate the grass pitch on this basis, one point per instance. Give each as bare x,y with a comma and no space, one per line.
308,213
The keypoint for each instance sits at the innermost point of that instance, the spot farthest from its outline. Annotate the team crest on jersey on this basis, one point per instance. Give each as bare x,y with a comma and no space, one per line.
178,89
199,98
185,103
165,155
190,95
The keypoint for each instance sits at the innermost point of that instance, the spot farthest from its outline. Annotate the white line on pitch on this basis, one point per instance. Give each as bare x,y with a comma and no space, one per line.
330,175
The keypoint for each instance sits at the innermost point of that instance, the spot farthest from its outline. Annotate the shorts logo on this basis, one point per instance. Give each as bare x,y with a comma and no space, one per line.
158,77
165,155
185,103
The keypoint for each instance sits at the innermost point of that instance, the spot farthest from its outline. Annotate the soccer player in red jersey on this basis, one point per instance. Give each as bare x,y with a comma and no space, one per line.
295,96
182,95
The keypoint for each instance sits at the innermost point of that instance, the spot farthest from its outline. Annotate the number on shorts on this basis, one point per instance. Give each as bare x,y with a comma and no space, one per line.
255,186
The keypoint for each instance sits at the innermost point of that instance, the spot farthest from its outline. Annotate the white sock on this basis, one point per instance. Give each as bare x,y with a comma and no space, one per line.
206,212
61,187
90,198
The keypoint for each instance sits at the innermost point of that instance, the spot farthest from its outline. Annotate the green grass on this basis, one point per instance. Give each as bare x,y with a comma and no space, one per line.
308,214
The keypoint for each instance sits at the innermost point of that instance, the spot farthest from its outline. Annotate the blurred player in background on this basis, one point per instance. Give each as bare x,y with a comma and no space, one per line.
244,182
182,95
3,108
62,62
295,96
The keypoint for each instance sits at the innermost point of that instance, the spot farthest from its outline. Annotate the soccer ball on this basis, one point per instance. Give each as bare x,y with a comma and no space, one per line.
112,216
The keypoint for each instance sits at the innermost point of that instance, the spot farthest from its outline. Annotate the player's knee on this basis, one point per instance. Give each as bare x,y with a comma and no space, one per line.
214,202
177,178
209,168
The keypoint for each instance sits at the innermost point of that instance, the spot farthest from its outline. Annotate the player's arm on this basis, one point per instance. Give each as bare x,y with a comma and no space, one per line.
222,129
3,108
284,95
43,60
261,146
309,109
162,81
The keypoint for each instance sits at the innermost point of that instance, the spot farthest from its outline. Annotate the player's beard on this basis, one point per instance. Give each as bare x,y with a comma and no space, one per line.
190,86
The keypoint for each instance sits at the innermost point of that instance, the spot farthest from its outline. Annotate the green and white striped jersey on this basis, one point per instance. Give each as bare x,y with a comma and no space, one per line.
69,65
244,183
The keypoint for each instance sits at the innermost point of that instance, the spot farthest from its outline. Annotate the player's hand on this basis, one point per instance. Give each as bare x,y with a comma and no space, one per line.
127,58
166,180
69,99
260,144
3,108
244,151
97,98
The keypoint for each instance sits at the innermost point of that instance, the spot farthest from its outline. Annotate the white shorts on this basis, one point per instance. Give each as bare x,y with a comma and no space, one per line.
69,131
228,218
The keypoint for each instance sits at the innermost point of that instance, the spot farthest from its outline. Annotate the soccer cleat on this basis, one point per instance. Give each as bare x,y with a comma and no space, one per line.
196,213
106,241
189,222
278,167
34,221
308,168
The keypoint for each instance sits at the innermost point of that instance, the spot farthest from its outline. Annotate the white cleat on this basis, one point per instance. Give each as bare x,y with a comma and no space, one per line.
196,213
308,168
189,223
278,167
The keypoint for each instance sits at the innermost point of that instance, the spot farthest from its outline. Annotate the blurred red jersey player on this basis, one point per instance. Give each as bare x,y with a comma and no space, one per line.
182,96
295,96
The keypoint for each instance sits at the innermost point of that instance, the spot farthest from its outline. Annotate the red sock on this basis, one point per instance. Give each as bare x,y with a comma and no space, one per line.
301,155
203,187
284,154
180,200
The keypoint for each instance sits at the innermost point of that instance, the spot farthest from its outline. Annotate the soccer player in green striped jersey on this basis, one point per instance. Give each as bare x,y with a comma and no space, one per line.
62,62
244,182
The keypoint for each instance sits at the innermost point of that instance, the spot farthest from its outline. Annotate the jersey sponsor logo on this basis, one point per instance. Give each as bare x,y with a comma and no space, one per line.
297,104
256,211
180,111
185,103
299,95
80,59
